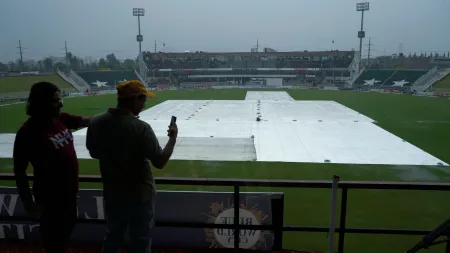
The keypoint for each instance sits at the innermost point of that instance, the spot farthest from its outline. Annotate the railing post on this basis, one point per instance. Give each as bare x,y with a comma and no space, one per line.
237,202
447,244
334,189
277,222
342,220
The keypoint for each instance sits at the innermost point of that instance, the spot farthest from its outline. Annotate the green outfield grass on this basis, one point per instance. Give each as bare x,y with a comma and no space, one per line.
422,121
444,83
23,83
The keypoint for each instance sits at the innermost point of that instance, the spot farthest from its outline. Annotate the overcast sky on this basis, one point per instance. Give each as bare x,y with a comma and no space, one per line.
97,27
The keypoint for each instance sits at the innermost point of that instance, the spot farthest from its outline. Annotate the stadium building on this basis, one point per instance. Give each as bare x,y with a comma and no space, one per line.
269,68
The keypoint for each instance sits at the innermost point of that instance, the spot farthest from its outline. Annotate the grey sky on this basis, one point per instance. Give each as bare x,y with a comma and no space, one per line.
95,28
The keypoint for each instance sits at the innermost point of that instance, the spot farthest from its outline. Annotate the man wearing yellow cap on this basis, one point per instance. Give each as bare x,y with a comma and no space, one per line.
125,146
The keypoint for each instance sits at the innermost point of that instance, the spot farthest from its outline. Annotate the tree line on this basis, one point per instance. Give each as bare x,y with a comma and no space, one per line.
50,64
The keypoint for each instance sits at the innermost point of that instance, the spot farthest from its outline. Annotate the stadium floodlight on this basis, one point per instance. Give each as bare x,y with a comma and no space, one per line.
362,7
139,12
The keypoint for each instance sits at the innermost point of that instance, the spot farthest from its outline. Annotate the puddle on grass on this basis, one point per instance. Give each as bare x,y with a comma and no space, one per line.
414,173
211,166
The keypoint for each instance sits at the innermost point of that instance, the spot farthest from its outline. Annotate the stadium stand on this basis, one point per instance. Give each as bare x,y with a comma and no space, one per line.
327,59
444,83
20,85
100,80
388,79
239,68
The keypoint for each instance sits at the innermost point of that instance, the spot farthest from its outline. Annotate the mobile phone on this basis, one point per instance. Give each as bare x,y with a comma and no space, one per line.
173,120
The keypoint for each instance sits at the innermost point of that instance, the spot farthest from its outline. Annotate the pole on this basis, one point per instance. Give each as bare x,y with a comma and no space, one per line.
139,30
20,51
155,46
368,54
21,64
360,39
257,45
334,193
67,57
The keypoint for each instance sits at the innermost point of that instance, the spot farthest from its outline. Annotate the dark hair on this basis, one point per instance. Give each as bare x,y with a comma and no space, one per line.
40,98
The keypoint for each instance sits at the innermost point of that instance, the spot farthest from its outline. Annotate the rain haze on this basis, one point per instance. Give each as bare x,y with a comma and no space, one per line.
274,98
96,28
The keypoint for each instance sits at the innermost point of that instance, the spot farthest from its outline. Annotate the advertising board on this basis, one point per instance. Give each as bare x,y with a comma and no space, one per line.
171,206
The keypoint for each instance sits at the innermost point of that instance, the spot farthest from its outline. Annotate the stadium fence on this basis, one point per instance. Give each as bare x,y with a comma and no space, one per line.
278,229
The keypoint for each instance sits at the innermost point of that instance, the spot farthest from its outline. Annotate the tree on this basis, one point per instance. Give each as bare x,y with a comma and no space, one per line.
40,65
20,65
12,66
74,62
129,64
112,61
3,67
60,66
102,63
92,65
48,65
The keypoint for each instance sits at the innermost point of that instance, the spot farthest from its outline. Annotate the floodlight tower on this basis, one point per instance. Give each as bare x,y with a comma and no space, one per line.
139,12
362,7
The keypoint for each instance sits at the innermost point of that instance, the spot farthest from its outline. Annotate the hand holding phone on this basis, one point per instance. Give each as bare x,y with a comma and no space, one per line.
173,129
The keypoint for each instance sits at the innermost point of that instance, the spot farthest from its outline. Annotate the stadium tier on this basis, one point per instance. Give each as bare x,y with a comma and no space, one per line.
244,68
388,79
107,79
196,60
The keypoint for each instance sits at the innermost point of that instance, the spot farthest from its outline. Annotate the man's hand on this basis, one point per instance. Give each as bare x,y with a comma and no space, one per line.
85,121
173,131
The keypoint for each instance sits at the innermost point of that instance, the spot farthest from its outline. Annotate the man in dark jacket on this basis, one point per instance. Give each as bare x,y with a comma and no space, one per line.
125,146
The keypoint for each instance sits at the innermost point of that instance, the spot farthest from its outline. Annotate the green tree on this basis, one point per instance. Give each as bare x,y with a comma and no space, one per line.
48,64
3,67
12,66
129,64
102,63
60,66
112,61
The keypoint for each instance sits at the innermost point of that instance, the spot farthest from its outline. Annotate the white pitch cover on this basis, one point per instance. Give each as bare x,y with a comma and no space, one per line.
288,131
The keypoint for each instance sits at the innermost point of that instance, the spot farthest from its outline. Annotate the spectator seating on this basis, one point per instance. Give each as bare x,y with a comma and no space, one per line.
388,79
99,80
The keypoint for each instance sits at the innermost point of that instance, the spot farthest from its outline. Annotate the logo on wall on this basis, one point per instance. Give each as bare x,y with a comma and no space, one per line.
224,238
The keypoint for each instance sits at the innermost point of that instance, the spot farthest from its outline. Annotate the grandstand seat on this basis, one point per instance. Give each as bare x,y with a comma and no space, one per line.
107,79
373,78
388,79
404,78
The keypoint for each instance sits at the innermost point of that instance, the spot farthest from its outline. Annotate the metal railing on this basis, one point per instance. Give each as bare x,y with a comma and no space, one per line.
78,79
278,229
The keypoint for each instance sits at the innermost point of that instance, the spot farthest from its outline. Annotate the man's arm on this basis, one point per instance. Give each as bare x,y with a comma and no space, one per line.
75,122
159,157
21,161
90,141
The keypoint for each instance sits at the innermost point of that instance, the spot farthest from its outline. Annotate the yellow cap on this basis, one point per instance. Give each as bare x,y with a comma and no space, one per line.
133,88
